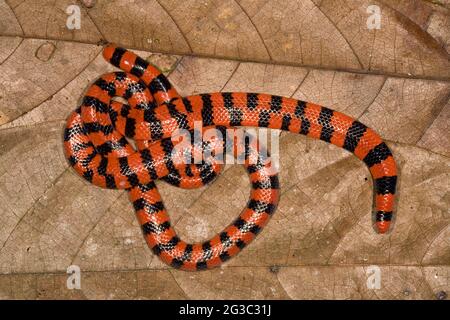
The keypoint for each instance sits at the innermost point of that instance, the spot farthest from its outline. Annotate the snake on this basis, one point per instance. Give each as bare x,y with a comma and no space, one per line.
140,103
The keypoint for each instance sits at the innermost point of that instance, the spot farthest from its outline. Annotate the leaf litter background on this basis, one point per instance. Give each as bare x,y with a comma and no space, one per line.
320,242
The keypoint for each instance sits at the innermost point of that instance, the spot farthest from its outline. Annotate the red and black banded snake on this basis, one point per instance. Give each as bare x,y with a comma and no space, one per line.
97,149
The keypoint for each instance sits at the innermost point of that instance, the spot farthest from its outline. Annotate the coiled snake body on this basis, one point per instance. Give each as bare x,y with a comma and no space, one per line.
96,147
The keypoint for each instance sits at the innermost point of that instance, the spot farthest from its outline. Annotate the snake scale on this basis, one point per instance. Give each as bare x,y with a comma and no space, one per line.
97,148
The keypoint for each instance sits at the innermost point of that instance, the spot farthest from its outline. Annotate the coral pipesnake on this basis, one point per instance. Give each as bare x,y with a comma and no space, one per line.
97,149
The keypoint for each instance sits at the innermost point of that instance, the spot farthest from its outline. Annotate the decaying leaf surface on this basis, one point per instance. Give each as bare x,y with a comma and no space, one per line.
52,69
320,243
316,33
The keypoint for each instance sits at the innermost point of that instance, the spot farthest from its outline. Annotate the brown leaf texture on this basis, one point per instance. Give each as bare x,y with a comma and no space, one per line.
320,243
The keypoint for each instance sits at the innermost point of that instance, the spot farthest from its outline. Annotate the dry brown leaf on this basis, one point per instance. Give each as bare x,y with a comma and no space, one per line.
416,10
95,285
399,46
405,108
231,283
47,19
436,138
350,93
349,282
317,33
320,242
30,81
438,27
9,24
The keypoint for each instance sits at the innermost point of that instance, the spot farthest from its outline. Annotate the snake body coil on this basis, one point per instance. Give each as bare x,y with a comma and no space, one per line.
96,147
